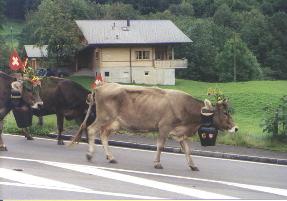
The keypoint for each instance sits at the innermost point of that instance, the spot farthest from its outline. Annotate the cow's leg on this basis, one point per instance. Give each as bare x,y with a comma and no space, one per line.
92,131
159,149
40,121
60,125
2,145
163,131
105,133
104,138
185,147
26,133
3,112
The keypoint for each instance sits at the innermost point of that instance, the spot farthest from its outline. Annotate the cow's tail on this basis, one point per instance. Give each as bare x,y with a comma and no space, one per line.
77,138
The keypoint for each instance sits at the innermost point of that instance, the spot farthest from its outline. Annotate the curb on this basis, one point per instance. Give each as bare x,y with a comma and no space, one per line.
193,152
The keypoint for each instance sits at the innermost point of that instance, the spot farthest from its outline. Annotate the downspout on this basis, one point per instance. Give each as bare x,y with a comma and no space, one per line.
131,70
77,65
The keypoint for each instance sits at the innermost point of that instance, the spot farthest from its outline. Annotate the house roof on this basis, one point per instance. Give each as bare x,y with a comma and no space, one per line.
36,52
139,32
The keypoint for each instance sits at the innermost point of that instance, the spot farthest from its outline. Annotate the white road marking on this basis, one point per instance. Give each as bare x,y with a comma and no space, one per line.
265,189
27,180
168,153
140,181
131,179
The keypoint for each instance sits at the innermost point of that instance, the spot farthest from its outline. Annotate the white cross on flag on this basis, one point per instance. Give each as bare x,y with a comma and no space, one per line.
15,62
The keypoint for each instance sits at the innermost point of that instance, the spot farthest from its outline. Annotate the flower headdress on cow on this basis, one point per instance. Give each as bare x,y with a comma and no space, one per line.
30,78
218,98
217,95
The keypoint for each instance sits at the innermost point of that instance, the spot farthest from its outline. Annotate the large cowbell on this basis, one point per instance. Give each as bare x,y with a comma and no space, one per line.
23,116
207,132
22,112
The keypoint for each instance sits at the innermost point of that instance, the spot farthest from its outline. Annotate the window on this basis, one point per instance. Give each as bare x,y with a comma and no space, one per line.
97,55
34,63
107,74
162,53
142,55
146,73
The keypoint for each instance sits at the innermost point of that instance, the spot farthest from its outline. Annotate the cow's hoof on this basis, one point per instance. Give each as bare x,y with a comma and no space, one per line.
61,142
3,148
89,157
158,166
29,138
194,168
113,161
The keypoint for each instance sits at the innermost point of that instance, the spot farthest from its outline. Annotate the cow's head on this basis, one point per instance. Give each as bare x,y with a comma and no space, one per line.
222,118
29,92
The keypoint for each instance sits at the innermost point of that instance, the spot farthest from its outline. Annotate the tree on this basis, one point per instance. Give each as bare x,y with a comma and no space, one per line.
203,8
223,16
120,11
236,52
31,5
257,35
201,53
2,9
4,50
183,9
53,25
15,9
277,53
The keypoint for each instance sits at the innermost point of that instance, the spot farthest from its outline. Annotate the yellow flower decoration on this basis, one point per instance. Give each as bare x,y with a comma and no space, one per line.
216,93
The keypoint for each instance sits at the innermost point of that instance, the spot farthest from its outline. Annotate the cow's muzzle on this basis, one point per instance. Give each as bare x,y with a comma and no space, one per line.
234,129
37,105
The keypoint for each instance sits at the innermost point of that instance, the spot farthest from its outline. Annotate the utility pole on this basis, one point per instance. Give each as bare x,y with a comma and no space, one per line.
234,57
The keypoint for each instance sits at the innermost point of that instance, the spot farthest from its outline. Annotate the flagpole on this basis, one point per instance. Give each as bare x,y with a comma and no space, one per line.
11,28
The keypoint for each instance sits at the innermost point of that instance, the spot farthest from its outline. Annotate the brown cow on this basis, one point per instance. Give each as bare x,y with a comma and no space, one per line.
66,99
170,112
28,94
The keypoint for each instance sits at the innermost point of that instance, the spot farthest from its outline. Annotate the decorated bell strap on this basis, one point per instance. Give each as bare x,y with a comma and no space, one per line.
208,130
206,118
16,95
16,90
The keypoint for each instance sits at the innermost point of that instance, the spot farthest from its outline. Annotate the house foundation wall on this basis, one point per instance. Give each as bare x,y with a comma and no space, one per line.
147,75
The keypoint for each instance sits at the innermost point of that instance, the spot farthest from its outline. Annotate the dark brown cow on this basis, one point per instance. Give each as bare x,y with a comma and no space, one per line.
29,96
170,112
66,99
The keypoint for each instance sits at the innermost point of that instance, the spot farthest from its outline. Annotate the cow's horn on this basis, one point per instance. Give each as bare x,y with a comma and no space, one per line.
17,86
208,104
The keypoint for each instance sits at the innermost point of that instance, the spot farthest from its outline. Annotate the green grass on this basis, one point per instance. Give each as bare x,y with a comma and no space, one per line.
247,99
17,27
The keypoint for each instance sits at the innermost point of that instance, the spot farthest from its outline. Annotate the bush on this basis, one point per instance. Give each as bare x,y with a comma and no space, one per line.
275,119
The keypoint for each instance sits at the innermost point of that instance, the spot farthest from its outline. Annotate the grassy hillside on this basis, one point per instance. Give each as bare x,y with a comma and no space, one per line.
247,99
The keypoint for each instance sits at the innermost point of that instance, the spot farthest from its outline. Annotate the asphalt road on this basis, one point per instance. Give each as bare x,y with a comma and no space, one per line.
40,169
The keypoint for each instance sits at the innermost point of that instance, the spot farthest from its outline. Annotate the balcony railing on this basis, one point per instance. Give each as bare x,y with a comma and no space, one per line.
177,63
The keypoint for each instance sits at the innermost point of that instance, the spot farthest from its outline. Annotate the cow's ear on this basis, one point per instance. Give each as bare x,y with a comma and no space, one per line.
208,104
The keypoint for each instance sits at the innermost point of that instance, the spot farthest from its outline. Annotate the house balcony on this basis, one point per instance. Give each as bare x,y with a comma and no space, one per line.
176,63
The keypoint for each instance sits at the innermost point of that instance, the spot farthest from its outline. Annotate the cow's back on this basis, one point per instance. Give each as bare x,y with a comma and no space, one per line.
185,107
58,93
134,107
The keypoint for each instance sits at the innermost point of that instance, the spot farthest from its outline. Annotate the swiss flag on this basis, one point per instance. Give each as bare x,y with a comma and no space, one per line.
15,62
